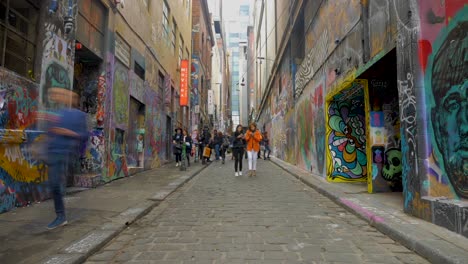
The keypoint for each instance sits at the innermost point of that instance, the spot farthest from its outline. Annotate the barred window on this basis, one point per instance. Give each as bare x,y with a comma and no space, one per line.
18,19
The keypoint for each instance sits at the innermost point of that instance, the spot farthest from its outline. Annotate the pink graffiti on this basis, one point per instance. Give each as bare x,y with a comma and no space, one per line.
364,212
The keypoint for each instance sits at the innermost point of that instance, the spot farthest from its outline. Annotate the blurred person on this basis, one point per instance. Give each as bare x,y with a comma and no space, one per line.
177,141
224,142
238,145
266,143
217,143
188,142
253,137
66,130
205,140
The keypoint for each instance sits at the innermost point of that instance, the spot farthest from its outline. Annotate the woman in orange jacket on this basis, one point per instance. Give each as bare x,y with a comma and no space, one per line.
253,138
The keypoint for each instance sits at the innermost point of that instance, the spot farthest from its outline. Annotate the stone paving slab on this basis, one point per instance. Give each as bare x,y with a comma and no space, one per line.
95,217
435,243
271,218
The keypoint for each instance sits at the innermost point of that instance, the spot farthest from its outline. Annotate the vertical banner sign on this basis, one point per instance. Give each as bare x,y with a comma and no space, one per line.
210,102
184,82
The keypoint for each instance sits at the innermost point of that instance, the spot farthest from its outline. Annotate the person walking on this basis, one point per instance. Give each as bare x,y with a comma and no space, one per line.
204,141
217,142
177,141
225,142
266,143
253,138
66,129
238,145
188,143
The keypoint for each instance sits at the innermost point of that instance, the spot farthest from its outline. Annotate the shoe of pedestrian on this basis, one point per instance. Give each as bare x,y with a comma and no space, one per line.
236,174
222,162
250,173
58,222
177,164
254,173
240,173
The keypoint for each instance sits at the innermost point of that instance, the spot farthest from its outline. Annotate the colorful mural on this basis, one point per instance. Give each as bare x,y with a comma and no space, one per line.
22,174
346,134
120,96
446,88
385,139
310,130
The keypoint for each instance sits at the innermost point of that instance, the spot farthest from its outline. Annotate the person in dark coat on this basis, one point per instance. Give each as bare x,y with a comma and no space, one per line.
188,142
205,139
177,141
238,145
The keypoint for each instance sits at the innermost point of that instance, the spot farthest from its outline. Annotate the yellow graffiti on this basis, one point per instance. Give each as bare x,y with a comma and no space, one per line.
19,169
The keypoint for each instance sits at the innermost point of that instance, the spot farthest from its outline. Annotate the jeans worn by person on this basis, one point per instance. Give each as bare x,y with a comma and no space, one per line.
58,166
217,148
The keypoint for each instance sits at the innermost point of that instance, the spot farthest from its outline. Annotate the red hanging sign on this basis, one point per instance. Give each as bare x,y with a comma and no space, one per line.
184,93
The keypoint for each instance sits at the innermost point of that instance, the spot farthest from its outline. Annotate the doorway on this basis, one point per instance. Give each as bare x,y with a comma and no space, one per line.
384,131
168,137
136,134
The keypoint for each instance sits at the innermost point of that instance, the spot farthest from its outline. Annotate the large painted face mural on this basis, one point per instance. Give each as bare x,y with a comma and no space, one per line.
447,91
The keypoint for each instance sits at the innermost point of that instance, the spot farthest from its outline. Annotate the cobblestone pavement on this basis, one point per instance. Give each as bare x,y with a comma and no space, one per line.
271,218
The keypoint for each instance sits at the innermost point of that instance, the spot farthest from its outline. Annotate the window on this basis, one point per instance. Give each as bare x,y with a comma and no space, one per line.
188,8
91,25
139,71
181,48
161,84
18,20
173,36
165,21
244,10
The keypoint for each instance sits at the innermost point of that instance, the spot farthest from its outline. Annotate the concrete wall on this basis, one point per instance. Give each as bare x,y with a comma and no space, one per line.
311,127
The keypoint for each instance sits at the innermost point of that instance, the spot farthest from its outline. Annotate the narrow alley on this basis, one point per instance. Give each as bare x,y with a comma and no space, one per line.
271,218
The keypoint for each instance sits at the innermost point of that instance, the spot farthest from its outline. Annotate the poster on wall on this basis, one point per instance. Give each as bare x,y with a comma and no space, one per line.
210,102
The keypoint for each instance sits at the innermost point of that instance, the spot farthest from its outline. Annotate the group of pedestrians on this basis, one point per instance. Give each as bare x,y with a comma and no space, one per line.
250,142
181,138
208,144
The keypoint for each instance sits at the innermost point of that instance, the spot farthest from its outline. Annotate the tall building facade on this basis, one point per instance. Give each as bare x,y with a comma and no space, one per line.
124,62
202,45
220,69
237,20
376,94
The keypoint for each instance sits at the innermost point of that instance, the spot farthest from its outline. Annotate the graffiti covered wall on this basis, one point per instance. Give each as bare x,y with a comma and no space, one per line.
446,88
22,174
346,134
311,130
386,163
